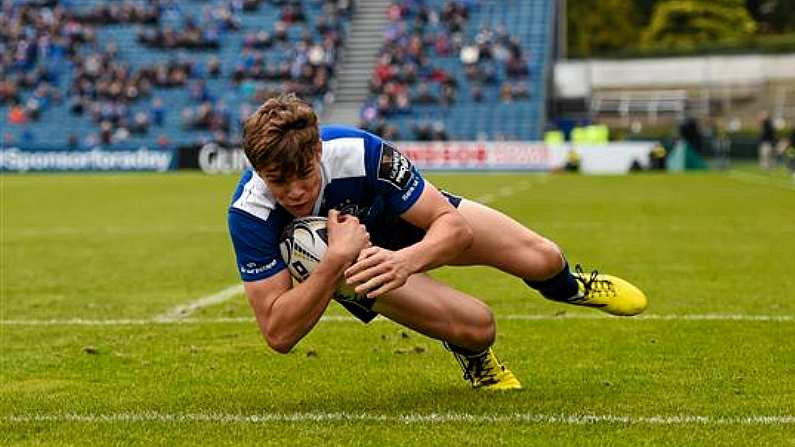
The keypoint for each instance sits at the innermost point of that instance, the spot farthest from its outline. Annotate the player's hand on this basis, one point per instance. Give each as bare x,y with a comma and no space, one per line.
346,237
378,271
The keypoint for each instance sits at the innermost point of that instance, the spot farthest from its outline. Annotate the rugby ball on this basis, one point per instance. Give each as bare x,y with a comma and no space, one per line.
302,245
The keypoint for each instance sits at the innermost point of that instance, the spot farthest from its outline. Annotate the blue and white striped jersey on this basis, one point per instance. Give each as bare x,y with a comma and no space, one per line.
362,175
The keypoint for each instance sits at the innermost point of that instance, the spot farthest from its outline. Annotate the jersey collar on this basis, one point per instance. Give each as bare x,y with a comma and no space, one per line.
324,176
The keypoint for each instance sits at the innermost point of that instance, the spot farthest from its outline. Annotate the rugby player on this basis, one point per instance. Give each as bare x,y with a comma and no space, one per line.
387,225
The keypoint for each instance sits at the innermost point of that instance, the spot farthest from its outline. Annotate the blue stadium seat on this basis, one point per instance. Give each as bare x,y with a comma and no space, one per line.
57,123
531,22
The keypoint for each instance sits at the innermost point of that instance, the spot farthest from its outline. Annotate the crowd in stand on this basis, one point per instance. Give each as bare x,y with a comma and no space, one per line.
404,75
50,55
121,12
35,45
189,33
305,67
192,36
414,31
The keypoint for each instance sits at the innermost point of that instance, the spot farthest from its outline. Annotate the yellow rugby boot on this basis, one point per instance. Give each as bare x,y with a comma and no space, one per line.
485,371
608,293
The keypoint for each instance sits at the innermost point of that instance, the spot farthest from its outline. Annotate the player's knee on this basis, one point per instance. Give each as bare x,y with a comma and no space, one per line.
480,335
549,259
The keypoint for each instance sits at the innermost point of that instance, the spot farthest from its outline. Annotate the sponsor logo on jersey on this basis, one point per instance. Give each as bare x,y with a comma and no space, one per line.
394,167
410,191
252,268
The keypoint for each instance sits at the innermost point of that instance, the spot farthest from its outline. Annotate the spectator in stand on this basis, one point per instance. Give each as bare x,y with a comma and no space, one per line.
163,142
8,91
438,131
516,67
292,13
506,92
422,131
424,95
280,31
260,40
430,131
73,142
402,103
140,124
17,115
477,93
158,112
105,132
521,91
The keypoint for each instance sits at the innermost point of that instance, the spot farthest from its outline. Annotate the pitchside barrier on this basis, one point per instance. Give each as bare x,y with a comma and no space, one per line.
212,158
15,159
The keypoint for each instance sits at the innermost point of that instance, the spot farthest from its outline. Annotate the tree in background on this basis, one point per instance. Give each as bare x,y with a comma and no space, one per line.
773,16
684,24
645,9
599,26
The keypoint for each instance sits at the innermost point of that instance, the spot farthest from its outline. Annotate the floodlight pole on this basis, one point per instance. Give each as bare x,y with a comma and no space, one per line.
562,30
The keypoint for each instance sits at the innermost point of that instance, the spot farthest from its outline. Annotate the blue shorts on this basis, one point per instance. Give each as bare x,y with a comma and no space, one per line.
401,234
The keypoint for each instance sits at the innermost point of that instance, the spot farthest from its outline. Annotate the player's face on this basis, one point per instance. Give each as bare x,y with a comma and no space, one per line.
297,194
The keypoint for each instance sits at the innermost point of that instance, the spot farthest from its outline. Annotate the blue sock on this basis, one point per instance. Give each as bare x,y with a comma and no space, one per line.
560,287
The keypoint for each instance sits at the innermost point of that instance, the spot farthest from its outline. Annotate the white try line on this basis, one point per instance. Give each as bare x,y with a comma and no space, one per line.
408,419
185,310
348,319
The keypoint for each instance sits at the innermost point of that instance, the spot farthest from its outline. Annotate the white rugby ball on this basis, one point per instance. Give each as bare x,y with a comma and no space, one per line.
303,244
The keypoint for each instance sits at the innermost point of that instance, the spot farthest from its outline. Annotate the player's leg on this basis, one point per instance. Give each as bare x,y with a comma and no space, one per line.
441,312
463,323
501,242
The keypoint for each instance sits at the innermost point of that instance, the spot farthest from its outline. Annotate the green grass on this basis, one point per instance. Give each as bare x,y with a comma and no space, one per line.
134,246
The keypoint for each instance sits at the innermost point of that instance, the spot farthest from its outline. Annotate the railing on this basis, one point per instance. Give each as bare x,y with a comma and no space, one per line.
650,104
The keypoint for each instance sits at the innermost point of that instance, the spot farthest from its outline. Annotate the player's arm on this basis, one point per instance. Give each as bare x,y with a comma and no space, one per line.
285,314
447,232
377,270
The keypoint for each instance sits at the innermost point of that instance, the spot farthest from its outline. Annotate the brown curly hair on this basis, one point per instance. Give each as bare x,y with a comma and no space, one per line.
282,134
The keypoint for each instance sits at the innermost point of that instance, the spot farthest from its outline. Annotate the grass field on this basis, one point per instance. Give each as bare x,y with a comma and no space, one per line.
93,268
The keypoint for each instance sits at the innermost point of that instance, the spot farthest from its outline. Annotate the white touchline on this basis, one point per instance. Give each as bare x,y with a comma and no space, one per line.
185,310
349,319
411,418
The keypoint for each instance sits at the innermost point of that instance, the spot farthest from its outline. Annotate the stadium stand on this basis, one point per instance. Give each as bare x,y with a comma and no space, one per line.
79,73
158,72
462,70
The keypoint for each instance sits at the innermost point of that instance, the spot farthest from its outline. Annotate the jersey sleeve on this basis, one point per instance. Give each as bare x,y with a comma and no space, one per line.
393,176
256,244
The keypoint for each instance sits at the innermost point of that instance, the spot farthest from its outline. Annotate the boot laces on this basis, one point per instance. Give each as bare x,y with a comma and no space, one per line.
481,369
592,286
